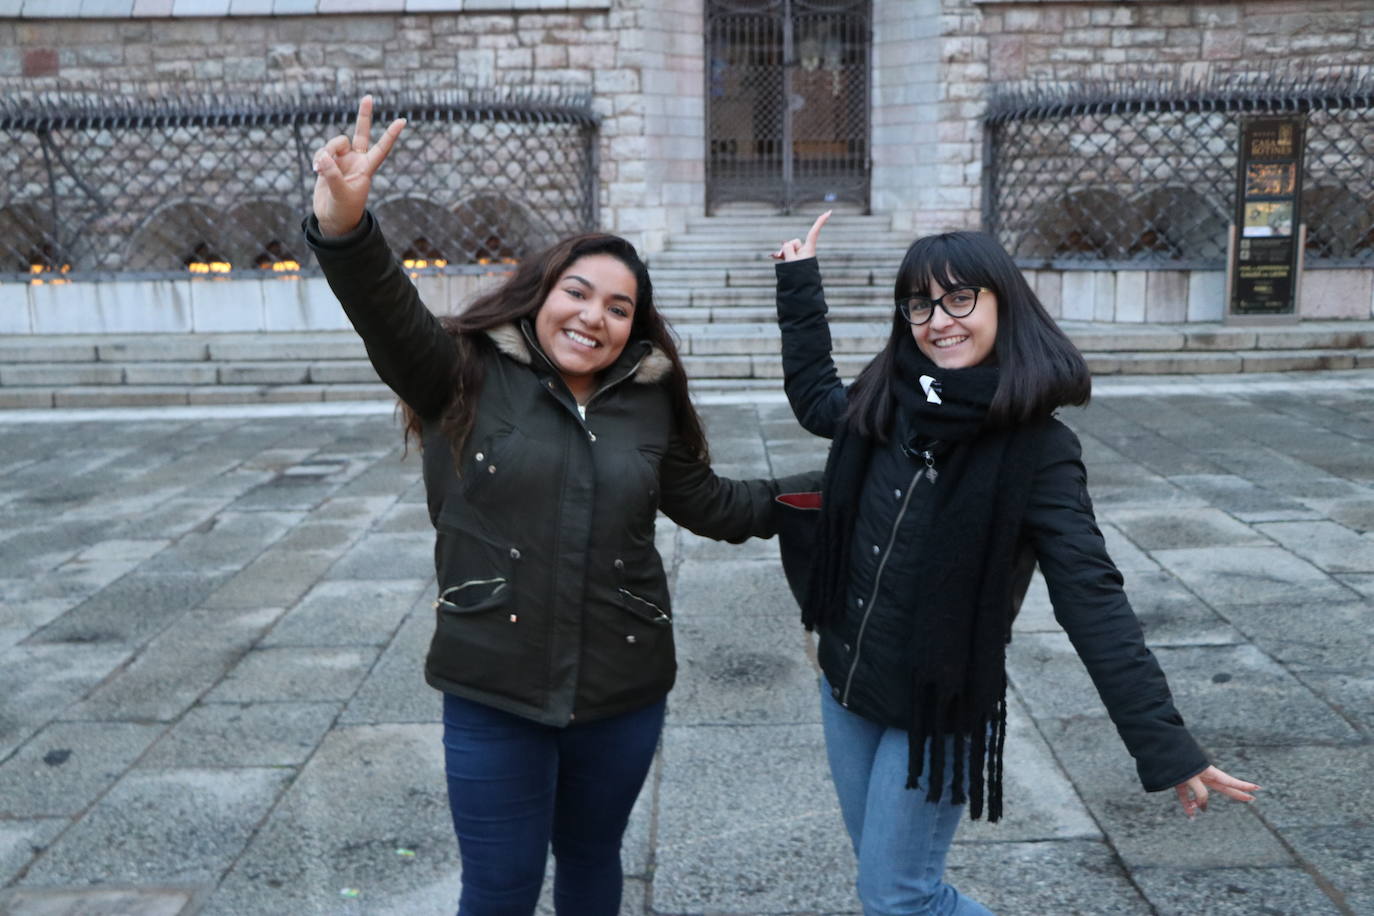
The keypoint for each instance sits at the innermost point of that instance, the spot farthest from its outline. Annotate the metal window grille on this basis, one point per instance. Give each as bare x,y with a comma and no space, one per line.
1142,174
102,187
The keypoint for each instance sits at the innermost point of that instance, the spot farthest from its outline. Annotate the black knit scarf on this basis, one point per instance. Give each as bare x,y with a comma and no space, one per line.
963,597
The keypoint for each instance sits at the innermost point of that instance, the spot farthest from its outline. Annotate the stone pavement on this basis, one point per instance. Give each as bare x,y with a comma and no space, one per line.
211,702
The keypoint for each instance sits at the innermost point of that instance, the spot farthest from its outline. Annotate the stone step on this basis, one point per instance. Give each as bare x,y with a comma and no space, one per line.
182,395
685,316
756,257
205,373
760,278
891,248
717,296
754,371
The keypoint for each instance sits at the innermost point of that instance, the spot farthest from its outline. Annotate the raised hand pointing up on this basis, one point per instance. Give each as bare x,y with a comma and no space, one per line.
345,168
796,249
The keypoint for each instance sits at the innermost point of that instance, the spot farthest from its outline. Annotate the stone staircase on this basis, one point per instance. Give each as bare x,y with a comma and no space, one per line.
714,282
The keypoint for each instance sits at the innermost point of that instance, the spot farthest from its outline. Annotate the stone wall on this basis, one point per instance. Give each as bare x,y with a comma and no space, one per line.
986,42
640,60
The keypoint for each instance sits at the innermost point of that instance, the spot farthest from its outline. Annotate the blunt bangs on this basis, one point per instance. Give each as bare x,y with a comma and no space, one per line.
953,259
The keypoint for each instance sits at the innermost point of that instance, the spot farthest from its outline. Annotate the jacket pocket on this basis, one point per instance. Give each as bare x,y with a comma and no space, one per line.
474,596
487,637
644,609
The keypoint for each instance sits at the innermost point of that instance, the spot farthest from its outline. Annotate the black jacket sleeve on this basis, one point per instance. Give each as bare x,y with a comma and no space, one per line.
408,347
1089,603
703,502
813,386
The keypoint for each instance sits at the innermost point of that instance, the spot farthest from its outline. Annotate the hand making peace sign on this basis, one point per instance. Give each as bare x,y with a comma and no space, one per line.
345,168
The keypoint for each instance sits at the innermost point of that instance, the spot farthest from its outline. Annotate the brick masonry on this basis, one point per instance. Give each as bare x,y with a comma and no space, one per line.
934,64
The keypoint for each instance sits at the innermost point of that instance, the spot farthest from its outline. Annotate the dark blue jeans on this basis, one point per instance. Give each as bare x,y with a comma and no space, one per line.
515,787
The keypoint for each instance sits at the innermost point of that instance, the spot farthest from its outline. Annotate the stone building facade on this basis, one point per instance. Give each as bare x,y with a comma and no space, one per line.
931,66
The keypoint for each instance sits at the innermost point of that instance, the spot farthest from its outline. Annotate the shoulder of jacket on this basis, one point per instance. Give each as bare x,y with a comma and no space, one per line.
1059,443
511,342
653,368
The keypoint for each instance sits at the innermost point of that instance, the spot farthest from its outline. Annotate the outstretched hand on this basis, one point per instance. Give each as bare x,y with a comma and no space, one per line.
796,249
1193,793
345,168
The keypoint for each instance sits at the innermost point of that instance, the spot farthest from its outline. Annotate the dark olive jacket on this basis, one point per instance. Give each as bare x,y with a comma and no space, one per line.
866,654
553,603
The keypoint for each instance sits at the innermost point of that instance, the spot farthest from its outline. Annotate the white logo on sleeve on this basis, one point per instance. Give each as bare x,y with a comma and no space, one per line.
932,389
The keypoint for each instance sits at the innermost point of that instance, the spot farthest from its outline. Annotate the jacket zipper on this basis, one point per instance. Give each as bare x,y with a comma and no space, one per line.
600,391
930,473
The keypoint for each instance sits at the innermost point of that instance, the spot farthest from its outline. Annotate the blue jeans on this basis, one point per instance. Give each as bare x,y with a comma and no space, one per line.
900,839
515,786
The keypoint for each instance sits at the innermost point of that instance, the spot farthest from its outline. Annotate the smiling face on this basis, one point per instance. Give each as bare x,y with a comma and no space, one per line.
586,318
958,343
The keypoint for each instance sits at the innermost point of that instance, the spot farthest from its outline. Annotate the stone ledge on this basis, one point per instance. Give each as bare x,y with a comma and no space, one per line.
200,9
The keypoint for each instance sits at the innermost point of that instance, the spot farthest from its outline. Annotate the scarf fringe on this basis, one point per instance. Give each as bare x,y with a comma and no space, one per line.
974,758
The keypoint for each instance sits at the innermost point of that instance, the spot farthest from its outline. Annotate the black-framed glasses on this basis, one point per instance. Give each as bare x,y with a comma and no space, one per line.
957,303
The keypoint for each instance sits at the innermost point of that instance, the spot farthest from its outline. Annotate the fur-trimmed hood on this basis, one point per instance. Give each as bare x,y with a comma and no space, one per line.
653,367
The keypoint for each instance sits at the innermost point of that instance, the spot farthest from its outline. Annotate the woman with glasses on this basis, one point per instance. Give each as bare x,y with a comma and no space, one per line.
948,478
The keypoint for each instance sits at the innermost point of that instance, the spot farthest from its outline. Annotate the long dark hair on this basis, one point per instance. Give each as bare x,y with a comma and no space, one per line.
1040,368
521,297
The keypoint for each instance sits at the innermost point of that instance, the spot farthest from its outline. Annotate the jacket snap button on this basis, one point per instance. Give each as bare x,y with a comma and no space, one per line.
515,553
859,602
491,469
480,457
514,618
896,494
619,563
876,549
846,647
630,640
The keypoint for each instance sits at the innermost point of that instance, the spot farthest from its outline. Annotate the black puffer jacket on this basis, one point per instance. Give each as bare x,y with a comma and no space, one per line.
866,654
553,600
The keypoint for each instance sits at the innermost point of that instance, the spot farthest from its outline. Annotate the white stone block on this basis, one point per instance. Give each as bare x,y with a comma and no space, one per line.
200,8
226,305
1130,295
301,304
14,309
1080,295
148,306
1104,295
1337,293
1206,295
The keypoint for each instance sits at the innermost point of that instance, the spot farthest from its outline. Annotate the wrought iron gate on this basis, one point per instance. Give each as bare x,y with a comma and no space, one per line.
787,103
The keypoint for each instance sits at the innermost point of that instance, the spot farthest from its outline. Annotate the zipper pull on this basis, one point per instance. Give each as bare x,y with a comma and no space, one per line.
931,473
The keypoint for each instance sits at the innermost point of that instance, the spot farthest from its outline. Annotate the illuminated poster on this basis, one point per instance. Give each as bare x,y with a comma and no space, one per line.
1264,267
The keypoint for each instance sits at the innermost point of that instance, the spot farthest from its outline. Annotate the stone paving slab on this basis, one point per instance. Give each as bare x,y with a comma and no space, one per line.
67,766
1343,857
347,612
173,670
162,827
1147,829
786,851
250,725
368,792
1234,892
1071,877
100,902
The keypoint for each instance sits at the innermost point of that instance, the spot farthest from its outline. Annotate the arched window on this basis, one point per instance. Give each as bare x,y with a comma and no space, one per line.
187,235
1340,223
29,245
266,236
